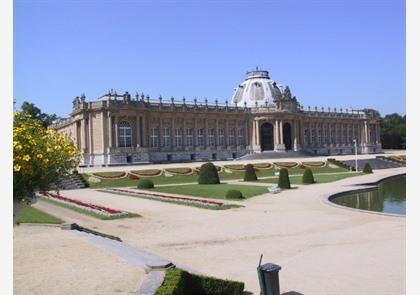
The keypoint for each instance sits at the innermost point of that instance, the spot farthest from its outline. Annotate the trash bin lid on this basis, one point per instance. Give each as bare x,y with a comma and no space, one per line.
269,267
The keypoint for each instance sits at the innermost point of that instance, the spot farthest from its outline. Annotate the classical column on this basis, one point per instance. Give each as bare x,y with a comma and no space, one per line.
184,133
160,133
172,133
109,131
83,135
378,134
336,133
281,132
90,134
366,133
276,134
138,140
246,143
195,132
117,144
258,132
144,132
295,133
226,132
103,127
216,134
206,132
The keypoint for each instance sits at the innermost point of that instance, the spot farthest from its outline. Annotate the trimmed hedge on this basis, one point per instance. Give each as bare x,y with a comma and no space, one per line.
284,181
208,174
145,183
308,176
367,168
179,282
234,194
250,173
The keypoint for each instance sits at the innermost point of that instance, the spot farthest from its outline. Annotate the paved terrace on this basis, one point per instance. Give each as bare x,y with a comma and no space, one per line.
322,249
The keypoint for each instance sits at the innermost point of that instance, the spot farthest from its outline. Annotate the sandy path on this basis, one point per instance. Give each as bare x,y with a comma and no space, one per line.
53,261
322,249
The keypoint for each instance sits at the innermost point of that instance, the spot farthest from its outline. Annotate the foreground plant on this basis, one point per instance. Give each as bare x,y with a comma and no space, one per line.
40,157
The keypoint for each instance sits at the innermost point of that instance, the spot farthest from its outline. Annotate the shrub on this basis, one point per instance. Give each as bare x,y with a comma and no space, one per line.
234,194
145,183
367,168
284,181
250,173
179,282
208,174
308,177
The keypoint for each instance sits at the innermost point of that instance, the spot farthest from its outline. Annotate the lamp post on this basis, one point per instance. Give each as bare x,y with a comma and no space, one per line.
355,152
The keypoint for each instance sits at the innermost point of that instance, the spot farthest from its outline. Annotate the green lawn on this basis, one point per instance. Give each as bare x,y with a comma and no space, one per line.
33,215
212,191
125,182
318,178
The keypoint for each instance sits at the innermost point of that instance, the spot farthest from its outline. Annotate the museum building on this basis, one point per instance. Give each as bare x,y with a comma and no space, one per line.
262,116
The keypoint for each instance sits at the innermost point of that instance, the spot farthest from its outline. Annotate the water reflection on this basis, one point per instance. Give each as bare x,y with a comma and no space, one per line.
388,197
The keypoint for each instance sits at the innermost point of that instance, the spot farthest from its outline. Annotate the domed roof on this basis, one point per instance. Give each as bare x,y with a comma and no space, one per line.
257,88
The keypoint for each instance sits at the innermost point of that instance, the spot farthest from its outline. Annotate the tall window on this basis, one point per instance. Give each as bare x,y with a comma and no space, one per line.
333,134
319,136
232,136
124,130
212,141
313,136
306,136
178,137
326,137
154,138
221,136
201,137
338,135
167,137
345,134
241,139
190,137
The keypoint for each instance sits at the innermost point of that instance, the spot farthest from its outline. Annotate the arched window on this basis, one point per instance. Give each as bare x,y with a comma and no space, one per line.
124,131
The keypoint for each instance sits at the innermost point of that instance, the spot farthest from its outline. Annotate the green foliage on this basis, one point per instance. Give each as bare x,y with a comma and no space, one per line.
250,173
367,168
179,282
284,181
33,111
234,194
208,174
393,131
338,163
145,183
308,176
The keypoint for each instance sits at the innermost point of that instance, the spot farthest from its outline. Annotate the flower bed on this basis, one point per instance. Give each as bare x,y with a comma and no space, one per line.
313,164
236,168
86,206
285,164
148,173
171,198
133,176
179,171
263,166
110,175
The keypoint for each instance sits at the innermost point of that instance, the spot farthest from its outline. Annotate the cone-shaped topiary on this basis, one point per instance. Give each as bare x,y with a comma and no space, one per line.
367,168
284,181
250,173
145,183
234,194
208,174
308,177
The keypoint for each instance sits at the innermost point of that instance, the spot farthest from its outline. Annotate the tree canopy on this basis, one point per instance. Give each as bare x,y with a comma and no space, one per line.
393,131
36,113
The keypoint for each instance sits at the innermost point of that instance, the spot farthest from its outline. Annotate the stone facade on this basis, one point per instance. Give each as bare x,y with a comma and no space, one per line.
117,129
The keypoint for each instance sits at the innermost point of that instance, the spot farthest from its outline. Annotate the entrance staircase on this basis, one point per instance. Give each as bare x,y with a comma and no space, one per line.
71,181
274,155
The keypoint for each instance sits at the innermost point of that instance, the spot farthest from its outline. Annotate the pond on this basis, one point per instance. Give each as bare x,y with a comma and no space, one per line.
387,197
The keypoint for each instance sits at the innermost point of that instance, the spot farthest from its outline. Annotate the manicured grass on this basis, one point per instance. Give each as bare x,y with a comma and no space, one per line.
33,215
297,179
88,212
126,182
212,191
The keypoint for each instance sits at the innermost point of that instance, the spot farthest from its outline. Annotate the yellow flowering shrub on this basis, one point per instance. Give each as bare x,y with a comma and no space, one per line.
40,156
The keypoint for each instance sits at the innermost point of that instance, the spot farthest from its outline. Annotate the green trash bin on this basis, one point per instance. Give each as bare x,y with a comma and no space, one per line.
268,276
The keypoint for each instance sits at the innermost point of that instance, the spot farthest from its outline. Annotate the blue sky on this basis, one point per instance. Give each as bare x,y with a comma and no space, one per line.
331,53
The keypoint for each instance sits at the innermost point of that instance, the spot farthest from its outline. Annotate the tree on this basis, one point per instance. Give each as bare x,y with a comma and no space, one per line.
40,156
284,181
393,131
36,113
208,174
250,173
308,176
